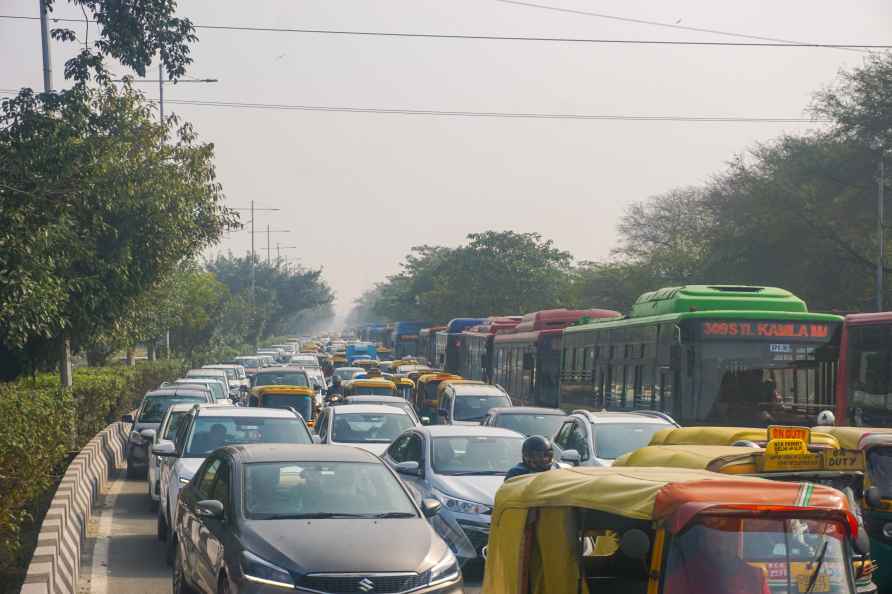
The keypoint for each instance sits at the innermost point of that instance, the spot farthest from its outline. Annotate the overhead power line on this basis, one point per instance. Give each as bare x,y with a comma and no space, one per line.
676,26
602,41
488,114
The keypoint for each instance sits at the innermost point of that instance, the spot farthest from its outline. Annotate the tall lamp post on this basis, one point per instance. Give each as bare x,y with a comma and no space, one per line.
880,146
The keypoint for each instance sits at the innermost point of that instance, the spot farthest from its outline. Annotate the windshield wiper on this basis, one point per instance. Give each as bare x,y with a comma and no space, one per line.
312,516
480,418
474,472
820,561
393,515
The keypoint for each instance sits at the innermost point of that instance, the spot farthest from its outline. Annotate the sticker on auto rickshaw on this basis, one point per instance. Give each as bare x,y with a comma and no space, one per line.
788,455
788,432
848,460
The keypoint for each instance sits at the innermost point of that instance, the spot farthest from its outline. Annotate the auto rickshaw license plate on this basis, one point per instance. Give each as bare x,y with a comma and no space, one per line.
822,583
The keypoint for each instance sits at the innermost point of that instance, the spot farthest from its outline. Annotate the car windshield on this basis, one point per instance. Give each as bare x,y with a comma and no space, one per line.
530,423
474,408
323,490
736,554
612,440
879,469
475,454
212,432
230,373
213,387
368,427
281,378
154,407
302,404
173,425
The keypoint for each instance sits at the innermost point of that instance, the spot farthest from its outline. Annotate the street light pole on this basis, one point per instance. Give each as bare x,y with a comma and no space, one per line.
161,91
45,43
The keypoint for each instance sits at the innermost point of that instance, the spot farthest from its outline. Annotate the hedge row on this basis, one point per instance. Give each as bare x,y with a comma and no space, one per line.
42,427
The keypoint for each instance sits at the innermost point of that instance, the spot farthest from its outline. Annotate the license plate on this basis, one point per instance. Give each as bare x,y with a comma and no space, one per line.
822,583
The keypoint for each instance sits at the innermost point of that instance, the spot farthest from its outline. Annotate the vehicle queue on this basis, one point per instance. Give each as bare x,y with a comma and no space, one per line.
655,476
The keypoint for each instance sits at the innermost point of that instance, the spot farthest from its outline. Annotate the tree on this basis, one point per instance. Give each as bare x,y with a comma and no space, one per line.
96,206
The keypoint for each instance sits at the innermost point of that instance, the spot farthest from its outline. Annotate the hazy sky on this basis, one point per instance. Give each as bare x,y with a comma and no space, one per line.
358,190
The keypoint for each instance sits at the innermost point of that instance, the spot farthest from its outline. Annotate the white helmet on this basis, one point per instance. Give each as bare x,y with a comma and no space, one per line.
826,418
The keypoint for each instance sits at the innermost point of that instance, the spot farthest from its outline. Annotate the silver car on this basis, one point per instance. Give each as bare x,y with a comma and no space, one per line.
368,426
462,467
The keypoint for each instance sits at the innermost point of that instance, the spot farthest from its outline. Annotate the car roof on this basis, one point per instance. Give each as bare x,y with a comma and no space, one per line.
527,410
198,380
349,369
467,431
201,370
368,409
476,389
178,392
362,398
243,411
280,452
280,369
605,416
221,366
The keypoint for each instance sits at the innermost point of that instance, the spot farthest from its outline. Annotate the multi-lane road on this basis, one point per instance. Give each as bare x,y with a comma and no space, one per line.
123,555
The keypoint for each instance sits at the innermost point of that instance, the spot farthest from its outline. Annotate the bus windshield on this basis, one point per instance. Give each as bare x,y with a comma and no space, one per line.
759,383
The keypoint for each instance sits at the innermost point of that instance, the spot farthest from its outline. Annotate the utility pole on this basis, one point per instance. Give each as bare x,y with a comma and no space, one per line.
45,42
161,90
267,245
279,248
881,227
160,82
254,210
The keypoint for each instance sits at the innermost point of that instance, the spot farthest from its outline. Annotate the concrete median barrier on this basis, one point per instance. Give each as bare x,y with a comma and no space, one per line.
54,568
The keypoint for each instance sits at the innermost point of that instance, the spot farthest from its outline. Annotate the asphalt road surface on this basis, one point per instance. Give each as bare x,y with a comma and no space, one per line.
122,554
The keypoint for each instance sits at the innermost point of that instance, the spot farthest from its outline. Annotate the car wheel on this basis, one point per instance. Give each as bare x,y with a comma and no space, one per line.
161,527
180,586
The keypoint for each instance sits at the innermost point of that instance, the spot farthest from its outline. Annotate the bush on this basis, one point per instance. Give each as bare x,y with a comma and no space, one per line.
41,424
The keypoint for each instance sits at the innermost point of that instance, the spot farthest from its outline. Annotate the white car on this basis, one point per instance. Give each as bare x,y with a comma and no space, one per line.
368,426
166,431
218,389
204,430
304,360
235,375
590,438
217,374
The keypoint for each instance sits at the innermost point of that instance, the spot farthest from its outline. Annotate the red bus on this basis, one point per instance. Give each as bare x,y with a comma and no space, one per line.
475,356
864,376
527,358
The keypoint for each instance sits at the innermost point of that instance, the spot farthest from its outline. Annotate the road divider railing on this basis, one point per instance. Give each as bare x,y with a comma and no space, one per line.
55,565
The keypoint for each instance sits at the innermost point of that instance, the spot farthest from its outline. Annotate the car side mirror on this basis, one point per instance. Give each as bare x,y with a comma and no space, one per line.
873,497
148,434
425,420
430,507
635,544
164,449
411,468
209,508
127,419
317,439
571,457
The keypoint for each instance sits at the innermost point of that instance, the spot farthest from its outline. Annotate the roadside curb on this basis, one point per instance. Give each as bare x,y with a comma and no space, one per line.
55,566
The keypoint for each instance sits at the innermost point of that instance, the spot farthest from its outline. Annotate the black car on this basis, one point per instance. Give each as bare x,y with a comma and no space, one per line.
264,518
528,420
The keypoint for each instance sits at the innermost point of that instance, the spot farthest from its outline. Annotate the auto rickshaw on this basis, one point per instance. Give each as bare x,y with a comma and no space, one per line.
733,435
784,459
598,530
371,386
425,397
301,399
404,387
876,504
338,360
384,353
365,363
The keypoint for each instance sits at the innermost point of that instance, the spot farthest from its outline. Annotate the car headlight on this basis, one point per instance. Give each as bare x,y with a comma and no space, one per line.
263,572
446,569
462,506
184,480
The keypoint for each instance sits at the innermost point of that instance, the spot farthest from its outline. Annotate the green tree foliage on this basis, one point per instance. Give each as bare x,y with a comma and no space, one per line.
501,272
280,294
96,207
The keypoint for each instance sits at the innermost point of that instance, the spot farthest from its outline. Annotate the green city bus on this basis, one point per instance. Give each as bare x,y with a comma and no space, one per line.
707,355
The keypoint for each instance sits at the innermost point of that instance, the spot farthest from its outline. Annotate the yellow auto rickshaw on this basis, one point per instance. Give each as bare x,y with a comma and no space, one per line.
404,387
425,397
739,435
299,398
783,459
598,530
365,363
371,386
876,503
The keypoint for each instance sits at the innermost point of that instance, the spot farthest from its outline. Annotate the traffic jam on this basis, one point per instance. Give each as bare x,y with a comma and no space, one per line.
558,451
